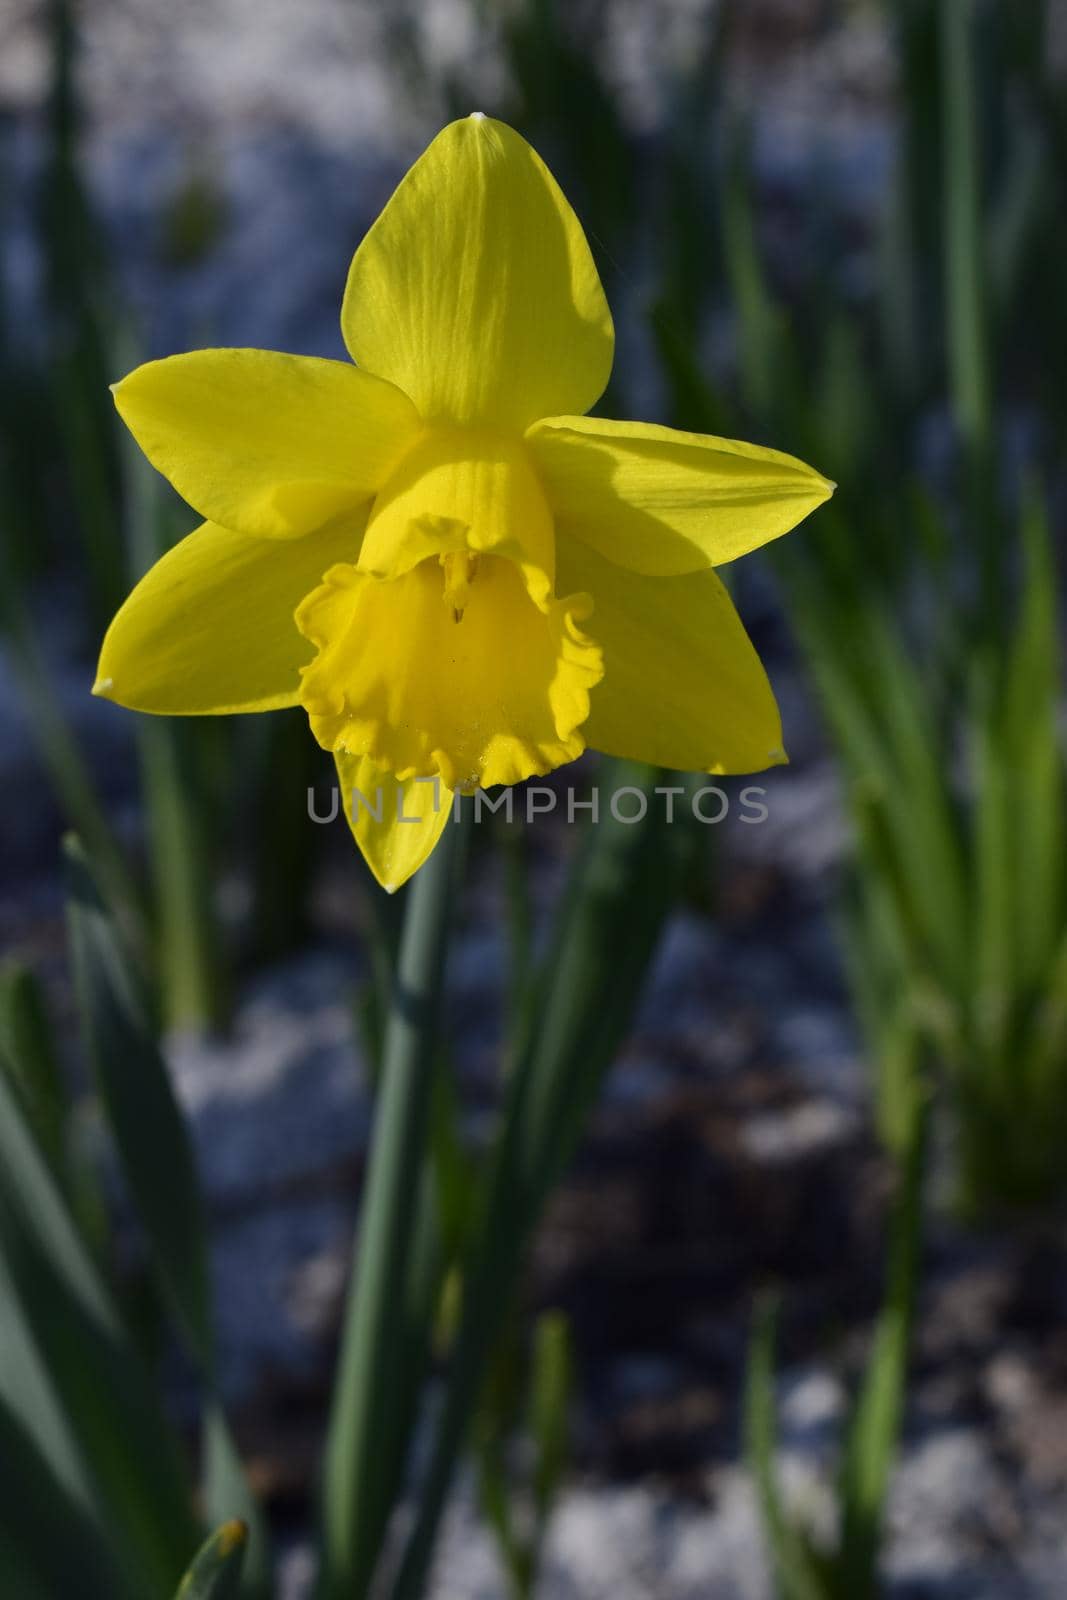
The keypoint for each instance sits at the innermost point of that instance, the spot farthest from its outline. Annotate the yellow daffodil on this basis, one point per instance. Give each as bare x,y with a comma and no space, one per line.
433,550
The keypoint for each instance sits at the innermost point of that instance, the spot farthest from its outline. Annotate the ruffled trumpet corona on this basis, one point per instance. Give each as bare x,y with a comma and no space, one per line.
432,548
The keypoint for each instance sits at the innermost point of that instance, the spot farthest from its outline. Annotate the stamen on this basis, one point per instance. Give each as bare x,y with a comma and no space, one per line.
460,567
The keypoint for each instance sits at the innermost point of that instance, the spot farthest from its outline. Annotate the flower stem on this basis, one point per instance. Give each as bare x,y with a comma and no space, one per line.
367,1402
624,885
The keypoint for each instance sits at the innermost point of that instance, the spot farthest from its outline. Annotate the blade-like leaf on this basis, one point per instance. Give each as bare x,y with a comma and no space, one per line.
996,930
1033,752
227,1497
134,1086
550,1395
216,1572
129,1452
968,322
61,1549
874,1427
796,1568
189,948
159,1168
61,754
27,1054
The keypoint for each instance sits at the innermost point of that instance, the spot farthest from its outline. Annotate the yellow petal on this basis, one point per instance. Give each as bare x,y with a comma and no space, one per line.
210,627
396,825
683,686
270,445
664,502
475,290
492,695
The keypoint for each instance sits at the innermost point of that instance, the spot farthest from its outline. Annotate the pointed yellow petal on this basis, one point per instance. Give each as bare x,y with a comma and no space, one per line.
270,445
396,824
210,627
664,502
490,691
475,290
683,686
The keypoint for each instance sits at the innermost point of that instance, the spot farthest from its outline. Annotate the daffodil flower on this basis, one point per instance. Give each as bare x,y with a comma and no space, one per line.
434,550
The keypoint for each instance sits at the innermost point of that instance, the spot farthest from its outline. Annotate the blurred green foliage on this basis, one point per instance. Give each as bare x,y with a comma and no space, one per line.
928,612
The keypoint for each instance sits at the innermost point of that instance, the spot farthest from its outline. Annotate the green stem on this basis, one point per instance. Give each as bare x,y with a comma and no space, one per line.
367,1403
607,933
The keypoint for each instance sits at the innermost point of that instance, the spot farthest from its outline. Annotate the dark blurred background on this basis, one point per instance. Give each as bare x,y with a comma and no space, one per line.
836,228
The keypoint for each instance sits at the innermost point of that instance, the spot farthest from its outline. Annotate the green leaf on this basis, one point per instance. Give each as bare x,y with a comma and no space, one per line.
966,298
216,1572
898,757
1019,809
159,1167
851,430
550,1397
28,1392
874,1427
28,1056
54,1542
18,1572
616,903
227,1497
1032,750
796,1566
1050,1025
144,1117
492,1438
120,1433
189,948
965,254
62,755
762,327
996,931
282,763
919,803
520,1440
878,953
